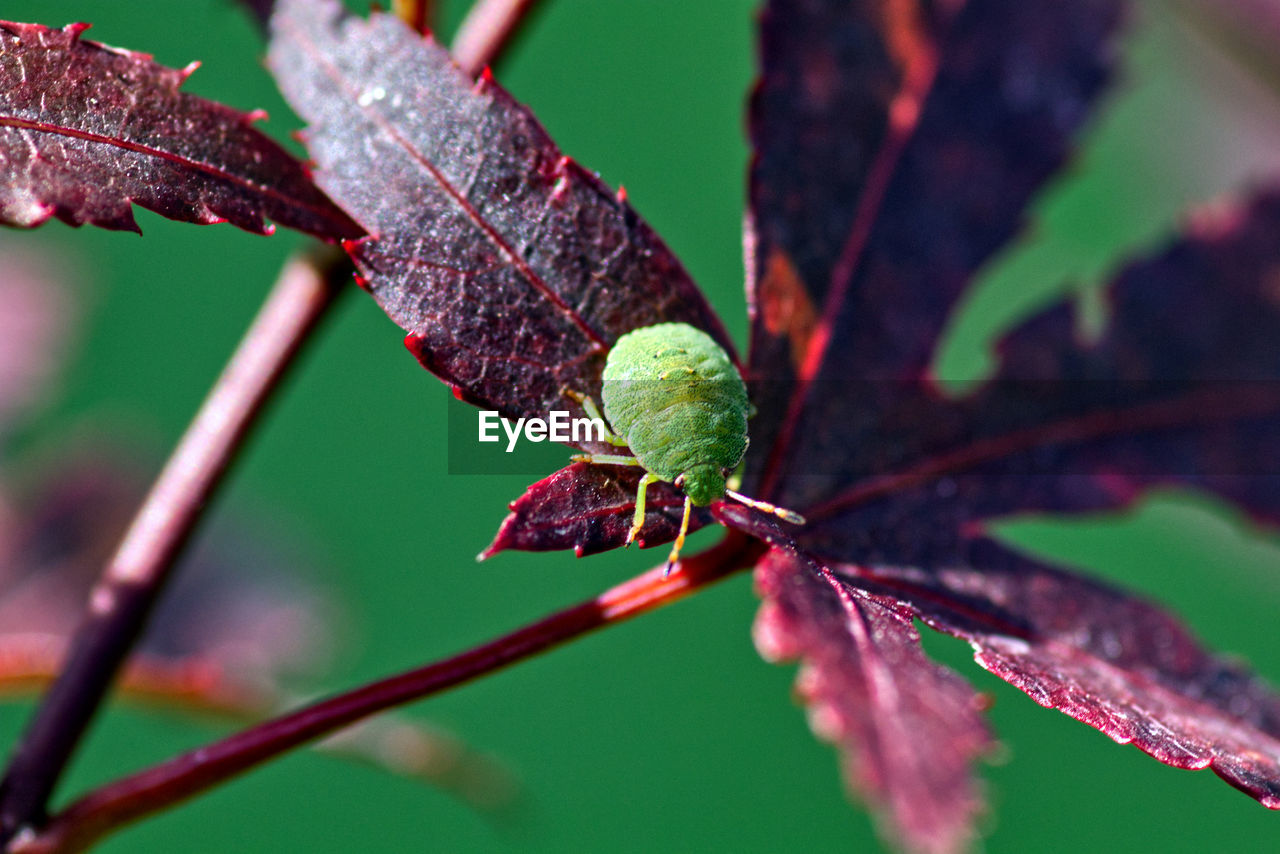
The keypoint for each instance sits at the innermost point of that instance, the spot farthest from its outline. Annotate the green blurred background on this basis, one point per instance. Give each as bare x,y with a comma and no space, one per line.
667,733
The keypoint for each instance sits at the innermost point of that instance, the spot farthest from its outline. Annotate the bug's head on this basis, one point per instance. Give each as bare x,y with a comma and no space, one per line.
703,484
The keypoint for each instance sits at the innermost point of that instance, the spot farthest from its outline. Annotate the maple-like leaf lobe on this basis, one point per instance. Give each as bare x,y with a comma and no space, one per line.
909,729
86,131
1102,656
1161,397
590,508
1069,426
511,268
897,145
896,148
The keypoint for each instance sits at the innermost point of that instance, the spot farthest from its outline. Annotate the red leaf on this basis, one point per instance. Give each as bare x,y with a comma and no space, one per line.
87,130
909,728
590,508
512,268
897,145
1073,426
1101,656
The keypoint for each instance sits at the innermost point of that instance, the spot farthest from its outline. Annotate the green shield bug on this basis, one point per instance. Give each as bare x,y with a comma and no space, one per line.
673,397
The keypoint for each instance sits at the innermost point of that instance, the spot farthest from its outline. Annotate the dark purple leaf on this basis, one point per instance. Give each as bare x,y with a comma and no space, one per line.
897,148
590,508
1068,426
87,130
762,526
1101,656
897,145
512,268
909,728
1071,426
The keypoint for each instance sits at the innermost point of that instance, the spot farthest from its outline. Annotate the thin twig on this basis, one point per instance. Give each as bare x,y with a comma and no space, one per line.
486,30
133,579
161,786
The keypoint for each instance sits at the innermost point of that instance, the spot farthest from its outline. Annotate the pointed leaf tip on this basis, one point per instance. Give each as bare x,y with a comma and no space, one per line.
1106,658
909,730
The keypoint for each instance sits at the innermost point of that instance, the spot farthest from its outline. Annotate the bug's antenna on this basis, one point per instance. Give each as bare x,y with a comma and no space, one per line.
675,549
781,512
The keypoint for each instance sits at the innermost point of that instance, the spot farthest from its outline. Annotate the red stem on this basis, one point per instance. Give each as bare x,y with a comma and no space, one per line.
122,599
161,786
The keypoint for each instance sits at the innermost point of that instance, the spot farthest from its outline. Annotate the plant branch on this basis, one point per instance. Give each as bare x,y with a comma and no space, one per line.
486,30
159,787
132,581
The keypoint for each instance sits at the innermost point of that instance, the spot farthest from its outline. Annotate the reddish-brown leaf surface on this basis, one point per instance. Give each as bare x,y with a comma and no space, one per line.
1179,389
590,509
87,131
897,145
512,268
910,727
1071,426
1101,655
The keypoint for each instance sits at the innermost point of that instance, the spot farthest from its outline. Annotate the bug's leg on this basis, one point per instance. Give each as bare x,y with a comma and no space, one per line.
679,543
637,521
584,400
589,406
781,512
605,459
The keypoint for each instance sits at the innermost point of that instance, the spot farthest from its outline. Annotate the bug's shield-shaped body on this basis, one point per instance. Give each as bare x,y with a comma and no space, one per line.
679,402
